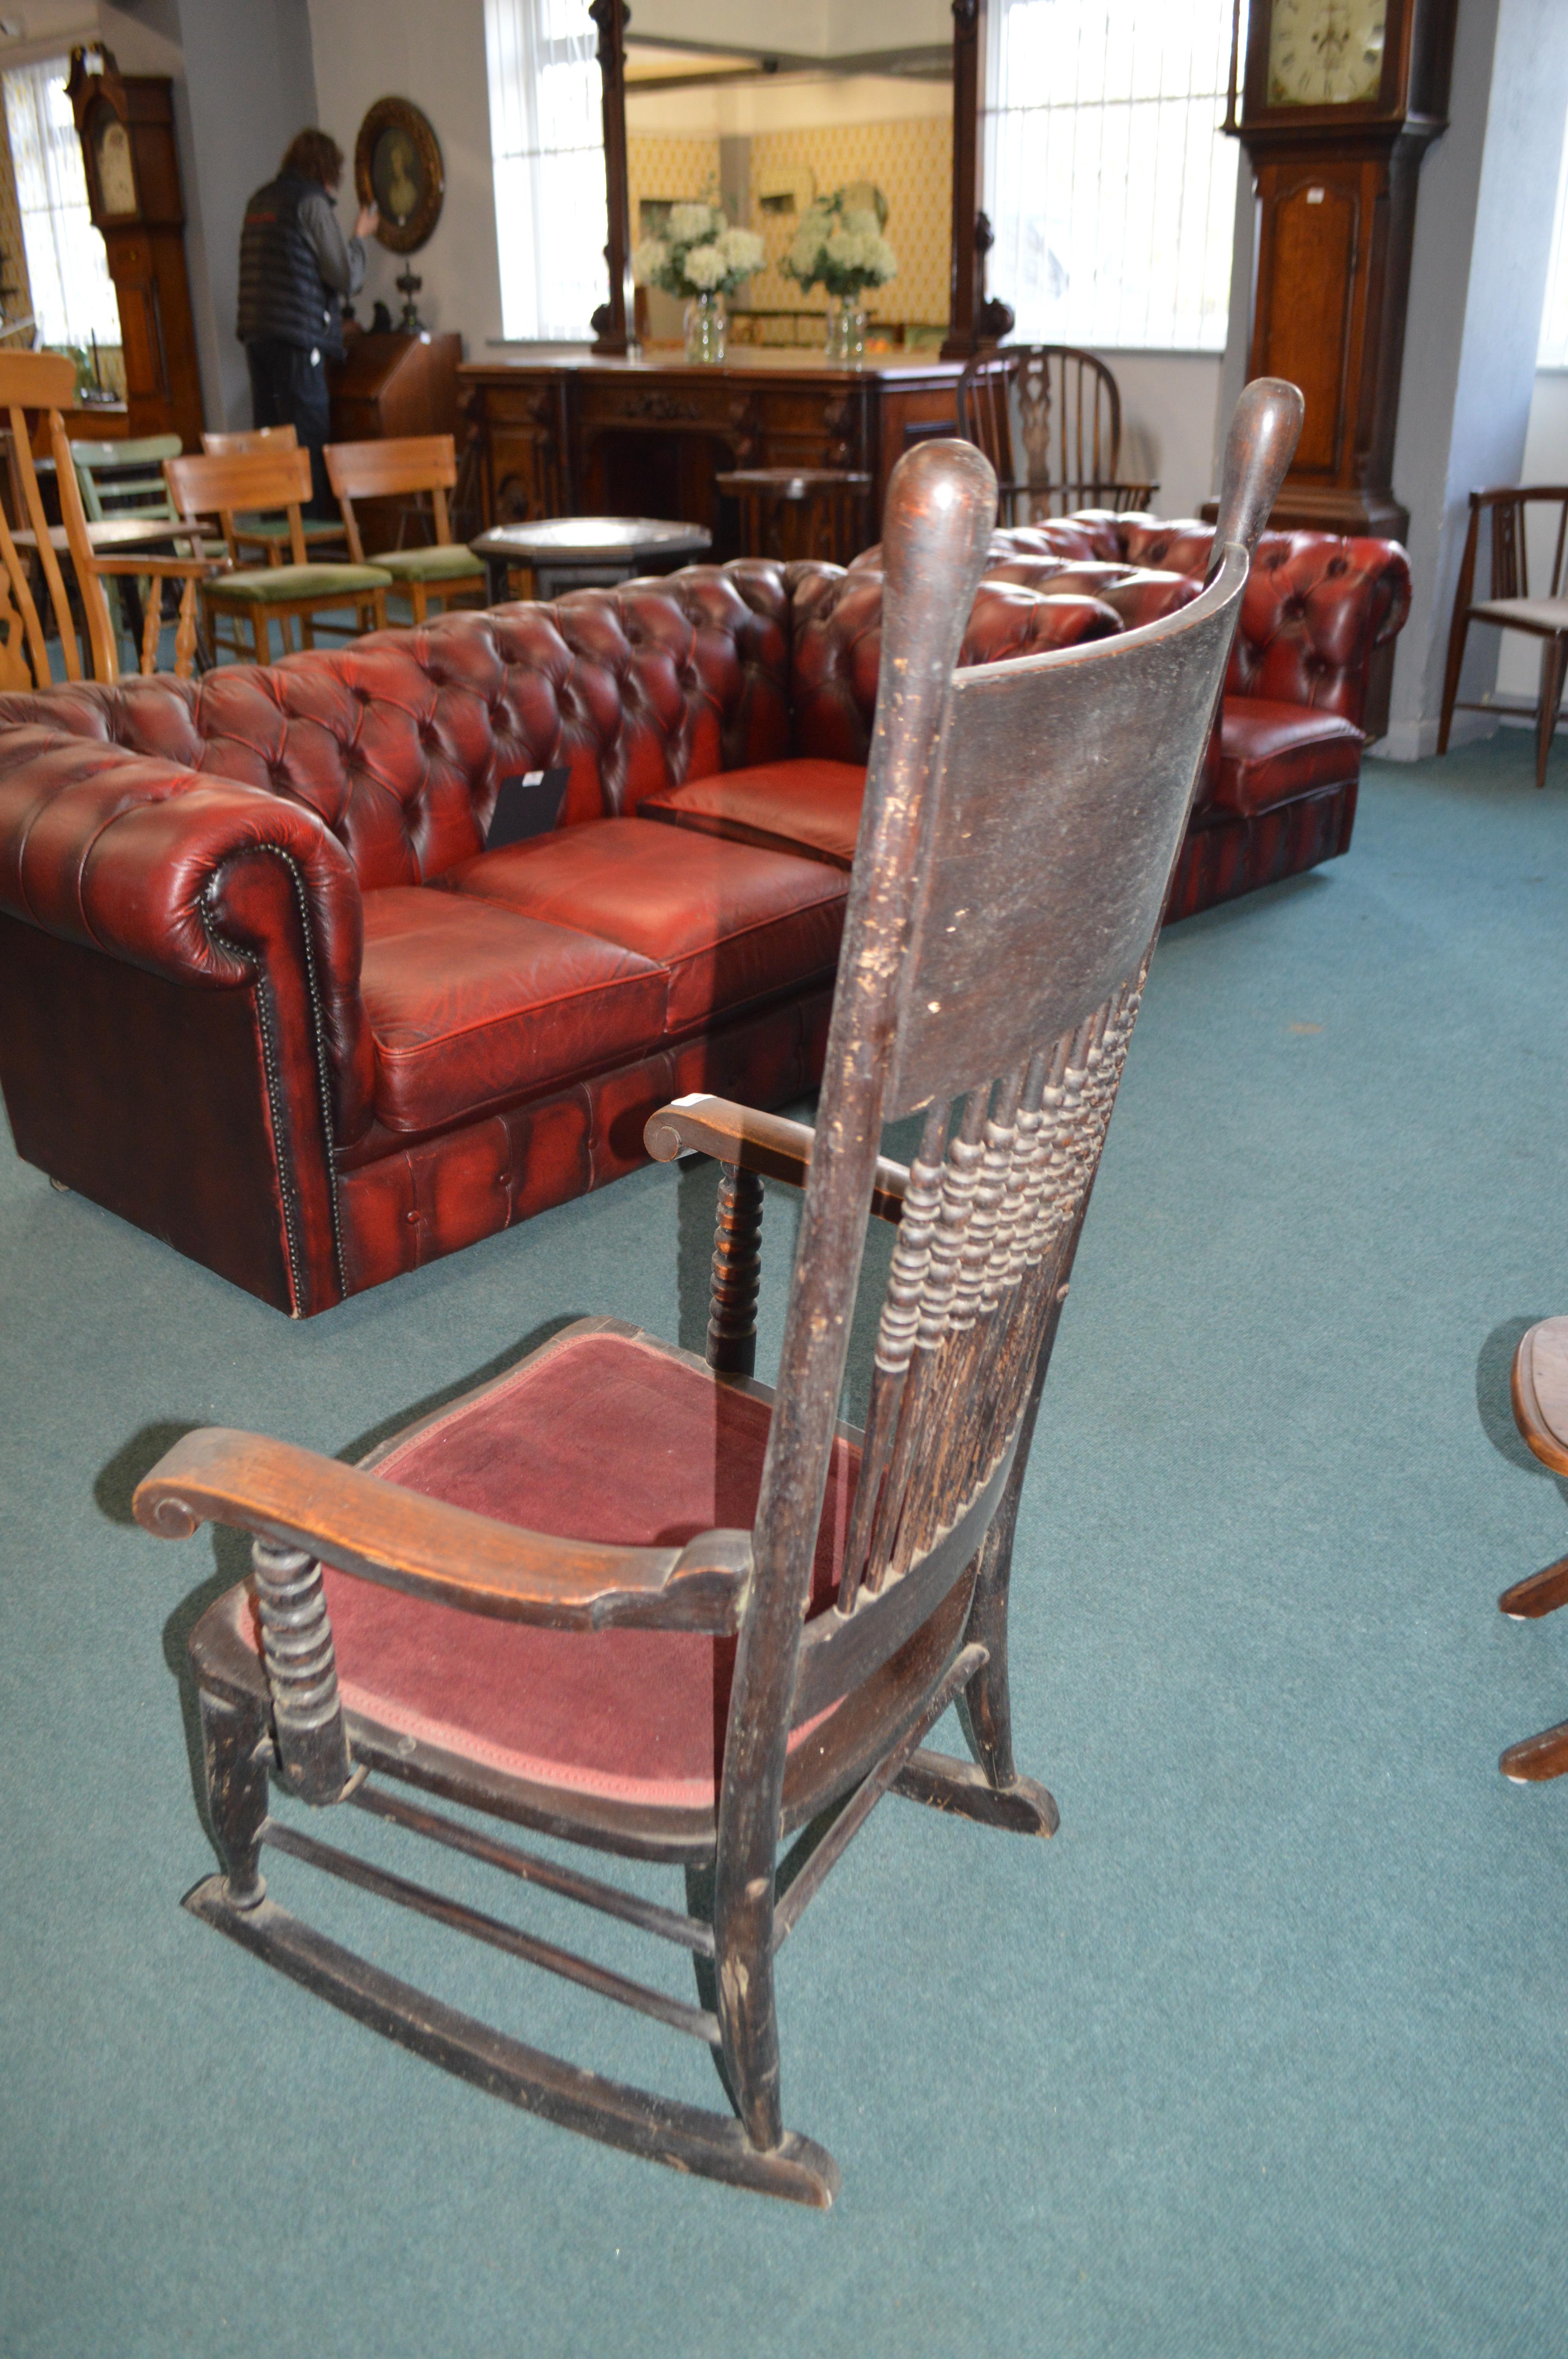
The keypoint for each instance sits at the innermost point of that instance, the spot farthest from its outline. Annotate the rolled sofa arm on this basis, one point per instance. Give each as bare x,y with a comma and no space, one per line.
207,884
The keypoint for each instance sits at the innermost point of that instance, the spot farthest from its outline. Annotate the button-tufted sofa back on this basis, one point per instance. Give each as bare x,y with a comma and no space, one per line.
398,742
1315,609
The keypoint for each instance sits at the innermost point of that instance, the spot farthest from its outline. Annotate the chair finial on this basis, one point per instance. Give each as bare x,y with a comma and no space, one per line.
1265,427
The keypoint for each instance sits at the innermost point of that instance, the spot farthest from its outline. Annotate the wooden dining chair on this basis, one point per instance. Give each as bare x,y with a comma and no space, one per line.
223,485
1508,604
408,467
98,570
32,384
269,536
1541,1412
636,1599
1048,417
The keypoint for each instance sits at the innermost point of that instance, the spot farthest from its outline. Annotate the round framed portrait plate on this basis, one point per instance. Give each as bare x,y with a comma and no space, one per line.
398,167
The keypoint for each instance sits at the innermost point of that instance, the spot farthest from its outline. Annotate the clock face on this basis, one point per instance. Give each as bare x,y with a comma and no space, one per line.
1325,52
116,179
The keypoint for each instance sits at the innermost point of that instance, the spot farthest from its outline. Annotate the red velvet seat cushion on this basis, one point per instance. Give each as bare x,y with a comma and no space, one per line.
470,1004
727,922
805,806
601,1437
1270,752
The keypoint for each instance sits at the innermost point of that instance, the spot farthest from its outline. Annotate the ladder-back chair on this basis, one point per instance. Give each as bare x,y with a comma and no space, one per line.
1509,606
639,1600
1048,417
98,570
279,476
409,466
32,384
271,536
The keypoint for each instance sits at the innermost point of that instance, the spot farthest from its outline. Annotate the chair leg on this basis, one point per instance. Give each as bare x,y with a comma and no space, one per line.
1456,638
261,635
418,600
1535,1758
307,634
1553,668
236,1755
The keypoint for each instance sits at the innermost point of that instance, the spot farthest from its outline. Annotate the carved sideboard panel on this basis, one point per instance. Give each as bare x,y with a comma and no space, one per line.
583,436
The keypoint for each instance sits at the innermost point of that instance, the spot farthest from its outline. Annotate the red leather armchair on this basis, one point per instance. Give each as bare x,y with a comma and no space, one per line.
264,991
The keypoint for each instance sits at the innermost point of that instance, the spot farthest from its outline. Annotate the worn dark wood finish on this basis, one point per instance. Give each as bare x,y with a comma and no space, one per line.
768,1144
737,1273
1067,409
1541,1412
1013,1036
1508,606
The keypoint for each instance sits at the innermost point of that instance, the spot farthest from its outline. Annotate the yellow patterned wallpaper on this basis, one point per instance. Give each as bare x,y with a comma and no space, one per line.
660,167
910,161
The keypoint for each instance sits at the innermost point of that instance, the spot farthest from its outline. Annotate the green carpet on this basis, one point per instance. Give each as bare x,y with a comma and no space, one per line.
1266,2052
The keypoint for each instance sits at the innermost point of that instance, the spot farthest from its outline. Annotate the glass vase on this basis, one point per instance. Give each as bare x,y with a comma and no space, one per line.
846,330
705,327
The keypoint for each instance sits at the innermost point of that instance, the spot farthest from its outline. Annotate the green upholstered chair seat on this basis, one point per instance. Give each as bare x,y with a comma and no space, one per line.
437,564
275,528
276,584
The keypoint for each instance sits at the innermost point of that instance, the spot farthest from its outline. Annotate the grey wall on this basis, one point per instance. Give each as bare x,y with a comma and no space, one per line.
1478,279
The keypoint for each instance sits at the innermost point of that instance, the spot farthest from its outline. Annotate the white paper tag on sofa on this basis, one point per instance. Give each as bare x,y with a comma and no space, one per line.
529,803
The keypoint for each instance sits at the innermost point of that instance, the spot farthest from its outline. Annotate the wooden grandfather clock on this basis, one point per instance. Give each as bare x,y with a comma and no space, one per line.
125,124
1340,100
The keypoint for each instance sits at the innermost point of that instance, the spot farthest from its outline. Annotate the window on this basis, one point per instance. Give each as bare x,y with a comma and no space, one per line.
1553,353
546,139
68,271
1108,184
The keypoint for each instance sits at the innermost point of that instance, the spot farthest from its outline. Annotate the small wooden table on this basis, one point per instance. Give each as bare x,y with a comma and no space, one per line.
583,552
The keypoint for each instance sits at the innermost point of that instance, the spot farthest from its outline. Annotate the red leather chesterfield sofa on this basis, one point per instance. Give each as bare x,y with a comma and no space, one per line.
264,992
1279,791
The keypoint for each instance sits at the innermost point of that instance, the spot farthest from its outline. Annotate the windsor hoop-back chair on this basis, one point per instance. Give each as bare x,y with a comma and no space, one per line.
1064,407
1509,606
636,1598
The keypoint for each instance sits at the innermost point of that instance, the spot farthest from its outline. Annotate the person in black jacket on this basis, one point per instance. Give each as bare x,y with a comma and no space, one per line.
295,265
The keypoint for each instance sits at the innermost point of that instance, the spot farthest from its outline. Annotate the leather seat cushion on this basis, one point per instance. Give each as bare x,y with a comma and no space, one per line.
728,923
446,562
470,1004
602,1435
262,584
805,806
1270,752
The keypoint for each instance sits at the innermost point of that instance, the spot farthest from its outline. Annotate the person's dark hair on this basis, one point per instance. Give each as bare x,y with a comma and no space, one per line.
315,156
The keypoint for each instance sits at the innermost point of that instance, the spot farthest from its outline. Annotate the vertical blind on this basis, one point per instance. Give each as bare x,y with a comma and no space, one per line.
1109,186
546,139
68,271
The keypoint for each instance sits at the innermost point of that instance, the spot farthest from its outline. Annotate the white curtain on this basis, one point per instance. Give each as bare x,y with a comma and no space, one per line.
547,142
68,271
1109,186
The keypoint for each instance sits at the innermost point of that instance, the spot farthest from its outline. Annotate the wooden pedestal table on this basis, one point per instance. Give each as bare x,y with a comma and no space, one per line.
565,553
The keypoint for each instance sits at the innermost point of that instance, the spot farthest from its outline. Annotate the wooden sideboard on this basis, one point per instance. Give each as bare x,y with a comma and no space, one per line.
563,434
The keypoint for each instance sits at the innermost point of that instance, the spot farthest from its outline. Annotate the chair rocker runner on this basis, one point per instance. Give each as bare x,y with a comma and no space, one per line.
1541,1412
633,1598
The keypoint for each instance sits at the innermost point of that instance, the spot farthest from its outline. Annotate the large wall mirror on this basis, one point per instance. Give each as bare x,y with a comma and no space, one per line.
698,110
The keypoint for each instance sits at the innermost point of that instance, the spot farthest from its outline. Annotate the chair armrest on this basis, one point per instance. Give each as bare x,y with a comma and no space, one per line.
208,883
364,1525
768,1144
173,568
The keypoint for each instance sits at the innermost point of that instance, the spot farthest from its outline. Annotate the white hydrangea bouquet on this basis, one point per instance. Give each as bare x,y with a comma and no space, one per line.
840,248
698,254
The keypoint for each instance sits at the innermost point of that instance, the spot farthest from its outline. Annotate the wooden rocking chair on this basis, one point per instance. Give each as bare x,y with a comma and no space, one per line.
640,1600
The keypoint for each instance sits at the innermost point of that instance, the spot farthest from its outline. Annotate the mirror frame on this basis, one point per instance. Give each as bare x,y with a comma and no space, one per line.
972,321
